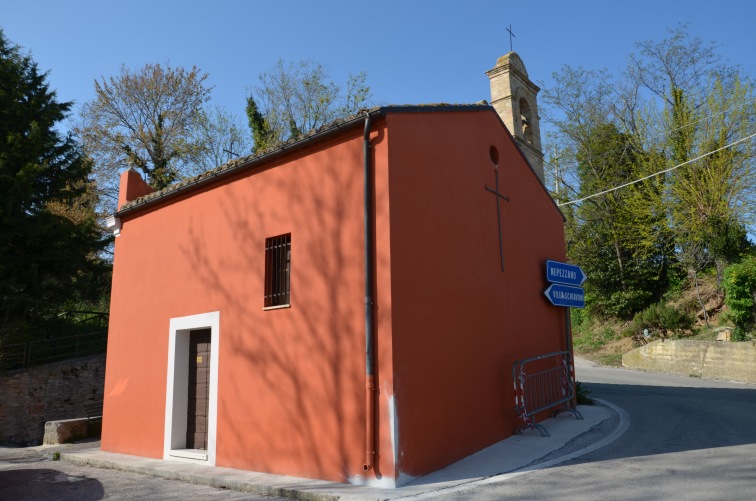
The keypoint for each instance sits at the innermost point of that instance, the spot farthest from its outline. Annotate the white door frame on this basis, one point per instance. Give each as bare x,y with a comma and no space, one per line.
177,385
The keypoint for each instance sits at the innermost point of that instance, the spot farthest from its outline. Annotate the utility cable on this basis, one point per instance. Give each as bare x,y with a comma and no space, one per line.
624,185
707,117
667,131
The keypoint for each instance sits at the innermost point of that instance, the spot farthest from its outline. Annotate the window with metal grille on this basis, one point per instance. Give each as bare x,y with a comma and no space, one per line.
278,271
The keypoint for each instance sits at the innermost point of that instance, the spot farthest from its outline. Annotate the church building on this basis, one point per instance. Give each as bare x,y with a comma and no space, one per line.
347,305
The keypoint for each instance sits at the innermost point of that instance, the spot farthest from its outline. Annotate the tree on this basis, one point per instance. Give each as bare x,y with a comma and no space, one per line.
50,242
706,107
677,62
262,135
712,199
620,237
150,119
296,98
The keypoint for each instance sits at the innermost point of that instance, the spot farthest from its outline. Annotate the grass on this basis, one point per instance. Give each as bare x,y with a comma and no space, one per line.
611,359
592,339
602,343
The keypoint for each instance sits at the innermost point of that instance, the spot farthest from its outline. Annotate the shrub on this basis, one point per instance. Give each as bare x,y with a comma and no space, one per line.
662,318
577,319
677,278
618,304
740,287
581,394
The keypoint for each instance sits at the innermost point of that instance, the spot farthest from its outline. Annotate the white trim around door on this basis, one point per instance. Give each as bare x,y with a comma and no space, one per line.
176,394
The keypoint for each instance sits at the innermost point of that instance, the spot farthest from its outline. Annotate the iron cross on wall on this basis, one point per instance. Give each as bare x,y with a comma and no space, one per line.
499,196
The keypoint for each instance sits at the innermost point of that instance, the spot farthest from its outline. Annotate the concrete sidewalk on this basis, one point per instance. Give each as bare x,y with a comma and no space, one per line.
514,456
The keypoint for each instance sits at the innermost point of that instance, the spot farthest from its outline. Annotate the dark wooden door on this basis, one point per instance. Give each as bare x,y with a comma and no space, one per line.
199,389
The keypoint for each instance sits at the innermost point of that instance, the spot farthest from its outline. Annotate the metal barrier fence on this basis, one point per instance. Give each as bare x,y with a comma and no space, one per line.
548,382
22,355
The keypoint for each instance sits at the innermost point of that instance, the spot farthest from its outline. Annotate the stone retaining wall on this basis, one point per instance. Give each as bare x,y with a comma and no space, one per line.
52,392
711,359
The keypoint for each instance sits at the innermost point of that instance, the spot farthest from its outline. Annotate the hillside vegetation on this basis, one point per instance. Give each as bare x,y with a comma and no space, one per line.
605,341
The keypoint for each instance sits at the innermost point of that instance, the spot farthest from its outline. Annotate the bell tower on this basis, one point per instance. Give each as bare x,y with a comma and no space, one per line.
513,96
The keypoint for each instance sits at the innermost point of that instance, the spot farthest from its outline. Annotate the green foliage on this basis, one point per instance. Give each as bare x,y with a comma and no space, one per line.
584,343
581,394
661,319
619,239
577,318
676,281
709,200
592,338
50,237
610,359
261,133
618,304
740,288
728,238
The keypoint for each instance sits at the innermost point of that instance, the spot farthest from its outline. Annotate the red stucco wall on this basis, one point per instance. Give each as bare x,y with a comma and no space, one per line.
459,322
291,382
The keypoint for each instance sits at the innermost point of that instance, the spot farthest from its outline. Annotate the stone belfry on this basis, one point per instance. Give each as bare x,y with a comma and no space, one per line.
513,96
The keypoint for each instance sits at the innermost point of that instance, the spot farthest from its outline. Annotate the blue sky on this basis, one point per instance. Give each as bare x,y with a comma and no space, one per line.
413,51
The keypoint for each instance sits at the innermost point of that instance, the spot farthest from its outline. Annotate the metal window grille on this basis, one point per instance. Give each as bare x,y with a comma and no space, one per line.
278,270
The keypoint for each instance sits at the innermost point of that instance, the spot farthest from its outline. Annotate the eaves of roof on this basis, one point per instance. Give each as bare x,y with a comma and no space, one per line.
285,147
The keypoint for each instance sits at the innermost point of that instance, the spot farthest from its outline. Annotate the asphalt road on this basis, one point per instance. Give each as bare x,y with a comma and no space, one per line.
27,474
687,439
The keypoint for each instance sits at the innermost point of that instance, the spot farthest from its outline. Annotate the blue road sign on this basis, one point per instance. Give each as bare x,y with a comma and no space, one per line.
563,273
565,295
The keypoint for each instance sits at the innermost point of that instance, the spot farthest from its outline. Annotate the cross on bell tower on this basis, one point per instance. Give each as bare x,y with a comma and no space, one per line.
513,96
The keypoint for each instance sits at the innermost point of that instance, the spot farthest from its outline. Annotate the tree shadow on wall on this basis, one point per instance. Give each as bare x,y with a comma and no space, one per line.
296,394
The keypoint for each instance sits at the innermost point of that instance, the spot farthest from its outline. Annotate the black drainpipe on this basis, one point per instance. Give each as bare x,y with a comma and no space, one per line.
369,371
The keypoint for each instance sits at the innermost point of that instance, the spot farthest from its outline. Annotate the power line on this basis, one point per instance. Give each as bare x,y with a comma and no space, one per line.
657,173
707,117
668,131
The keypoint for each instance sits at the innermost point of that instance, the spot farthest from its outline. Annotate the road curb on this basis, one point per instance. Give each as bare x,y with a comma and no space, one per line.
619,430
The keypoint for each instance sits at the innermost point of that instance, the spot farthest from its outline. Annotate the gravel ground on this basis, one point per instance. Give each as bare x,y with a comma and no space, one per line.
30,473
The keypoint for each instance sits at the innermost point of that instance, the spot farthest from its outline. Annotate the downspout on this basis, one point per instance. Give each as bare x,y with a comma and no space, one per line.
369,341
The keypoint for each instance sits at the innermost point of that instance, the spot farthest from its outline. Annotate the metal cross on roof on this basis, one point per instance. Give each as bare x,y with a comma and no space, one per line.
498,213
230,151
511,35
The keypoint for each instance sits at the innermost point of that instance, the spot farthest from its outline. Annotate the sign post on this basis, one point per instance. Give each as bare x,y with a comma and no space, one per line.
565,290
